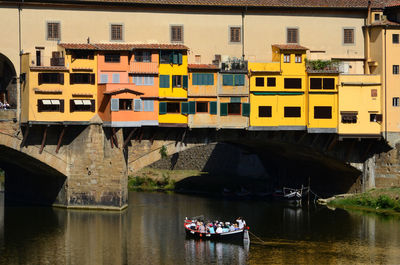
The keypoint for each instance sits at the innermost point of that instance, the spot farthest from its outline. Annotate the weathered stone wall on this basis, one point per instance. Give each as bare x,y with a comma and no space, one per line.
387,168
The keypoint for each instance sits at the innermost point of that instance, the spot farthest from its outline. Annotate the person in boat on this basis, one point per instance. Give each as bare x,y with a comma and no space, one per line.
232,228
202,228
219,229
211,229
241,223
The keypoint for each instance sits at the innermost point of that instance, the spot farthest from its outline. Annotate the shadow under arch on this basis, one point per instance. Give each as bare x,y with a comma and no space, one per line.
30,181
8,82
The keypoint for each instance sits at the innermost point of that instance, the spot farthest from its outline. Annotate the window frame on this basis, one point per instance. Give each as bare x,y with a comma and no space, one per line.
395,102
344,39
122,32
230,39
322,110
206,104
395,69
60,106
140,58
171,27
296,57
286,58
112,61
286,109
268,111
234,104
259,78
121,100
393,38
297,35
270,79
173,103
47,30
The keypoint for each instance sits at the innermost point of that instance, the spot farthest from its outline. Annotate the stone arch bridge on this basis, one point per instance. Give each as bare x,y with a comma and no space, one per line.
87,166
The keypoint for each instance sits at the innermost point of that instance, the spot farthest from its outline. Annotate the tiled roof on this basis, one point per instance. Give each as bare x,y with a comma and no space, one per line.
348,4
121,46
49,68
292,47
203,66
121,90
385,23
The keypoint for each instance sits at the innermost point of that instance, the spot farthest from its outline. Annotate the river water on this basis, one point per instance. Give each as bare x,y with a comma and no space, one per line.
151,231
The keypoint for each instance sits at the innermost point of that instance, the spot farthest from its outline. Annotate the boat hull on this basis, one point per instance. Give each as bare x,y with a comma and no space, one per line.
228,236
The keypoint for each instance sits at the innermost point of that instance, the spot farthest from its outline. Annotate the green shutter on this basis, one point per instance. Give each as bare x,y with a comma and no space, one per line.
223,108
185,81
164,81
171,57
175,58
239,80
210,79
184,108
180,58
195,79
192,107
213,107
163,107
246,109
227,80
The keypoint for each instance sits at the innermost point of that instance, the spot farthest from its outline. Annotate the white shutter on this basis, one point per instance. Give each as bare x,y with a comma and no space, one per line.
115,78
103,78
114,104
138,105
148,105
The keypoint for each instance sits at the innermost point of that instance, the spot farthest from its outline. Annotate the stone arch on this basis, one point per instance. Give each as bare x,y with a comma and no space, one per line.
8,82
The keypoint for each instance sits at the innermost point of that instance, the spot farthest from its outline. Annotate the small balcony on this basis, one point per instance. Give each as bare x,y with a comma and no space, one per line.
144,68
234,65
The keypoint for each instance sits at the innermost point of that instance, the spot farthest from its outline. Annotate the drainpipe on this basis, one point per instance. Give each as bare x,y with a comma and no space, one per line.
20,64
243,13
367,51
385,88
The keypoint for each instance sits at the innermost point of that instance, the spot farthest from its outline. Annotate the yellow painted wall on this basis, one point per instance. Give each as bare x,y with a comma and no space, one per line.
358,98
264,100
322,100
174,69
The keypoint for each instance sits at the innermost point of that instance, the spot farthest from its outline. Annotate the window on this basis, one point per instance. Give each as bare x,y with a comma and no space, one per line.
315,83
271,81
234,108
292,83
349,116
286,58
202,107
374,93
82,79
197,58
112,57
395,69
233,80
259,81
143,56
322,112
173,107
264,111
202,79
142,80
125,104
115,78
148,105
322,83
116,32
51,78
176,33
234,34
292,35
297,58
374,117
395,38
83,55
176,81
103,78
395,102
53,31
164,81
377,17
137,105
171,57
328,83
292,112
51,105
82,105
348,36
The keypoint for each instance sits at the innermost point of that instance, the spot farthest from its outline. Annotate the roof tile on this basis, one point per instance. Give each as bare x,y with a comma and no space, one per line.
286,47
121,46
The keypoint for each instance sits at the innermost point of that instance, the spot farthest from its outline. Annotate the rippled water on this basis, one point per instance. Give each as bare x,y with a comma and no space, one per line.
151,231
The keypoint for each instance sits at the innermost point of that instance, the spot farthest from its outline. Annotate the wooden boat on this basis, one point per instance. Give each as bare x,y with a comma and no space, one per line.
237,235
292,194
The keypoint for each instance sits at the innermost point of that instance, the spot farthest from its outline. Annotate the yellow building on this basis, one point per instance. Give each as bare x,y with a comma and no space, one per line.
277,90
360,106
173,79
61,90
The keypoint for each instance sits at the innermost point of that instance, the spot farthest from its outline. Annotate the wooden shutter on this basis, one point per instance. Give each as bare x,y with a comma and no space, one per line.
92,105
71,106
114,104
223,109
171,57
61,78
348,36
246,109
164,81
192,107
40,78
210,79
292,35
184,107
227,80
213,107
185,81
92,79
137,105
175,59
162,108
61,105
194,79
180,58
239,80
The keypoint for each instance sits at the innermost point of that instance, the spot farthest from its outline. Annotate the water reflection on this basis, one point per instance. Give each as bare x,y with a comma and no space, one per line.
151,232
